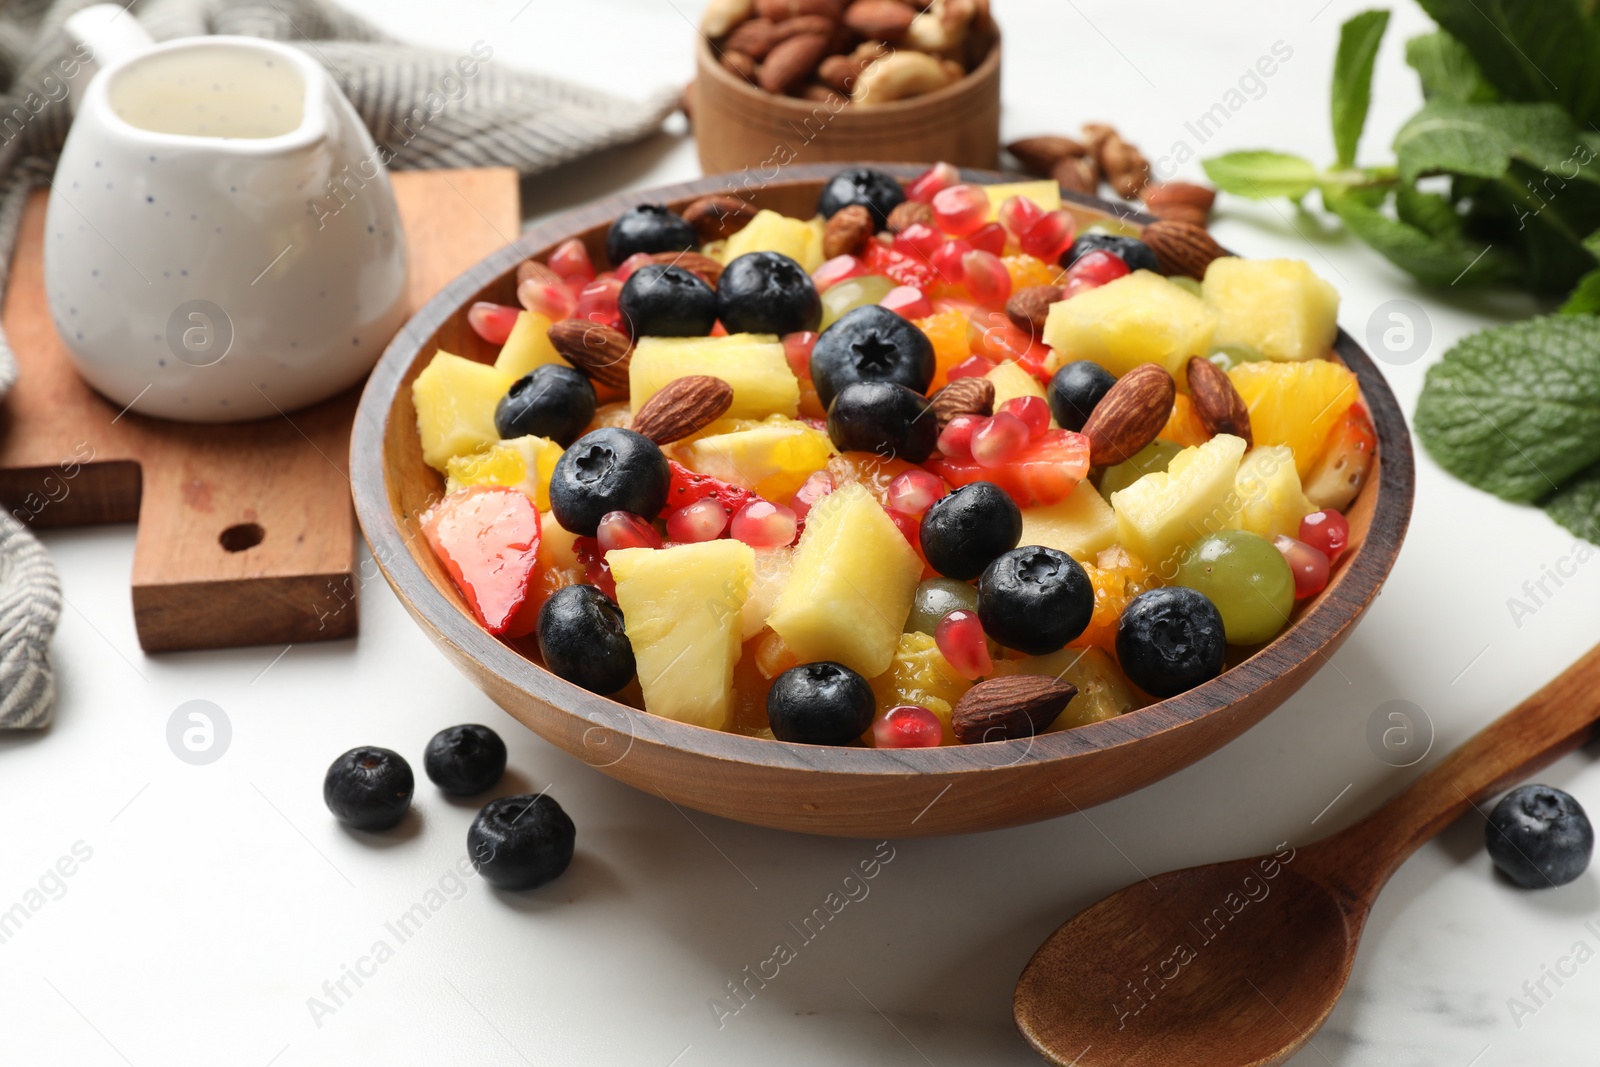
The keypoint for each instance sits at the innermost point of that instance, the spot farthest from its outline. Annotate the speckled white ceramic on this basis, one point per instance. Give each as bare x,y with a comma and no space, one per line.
222,241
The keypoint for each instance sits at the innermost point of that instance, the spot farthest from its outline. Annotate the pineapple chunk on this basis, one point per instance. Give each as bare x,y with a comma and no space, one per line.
919,674
1162,513
1046,194
1268,494
1276,306
851,589
1295,404
772,460
1011,381
1080,525
772,569
1104,692
1139,318
524,463
682,607
455,400
754,364
799,239
528,346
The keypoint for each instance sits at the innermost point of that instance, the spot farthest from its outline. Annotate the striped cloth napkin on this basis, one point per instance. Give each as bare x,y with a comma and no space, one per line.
497,117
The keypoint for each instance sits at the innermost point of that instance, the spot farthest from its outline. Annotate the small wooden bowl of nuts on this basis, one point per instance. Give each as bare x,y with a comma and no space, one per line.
813,81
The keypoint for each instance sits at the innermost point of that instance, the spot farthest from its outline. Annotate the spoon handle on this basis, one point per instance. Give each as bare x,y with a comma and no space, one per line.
1534,734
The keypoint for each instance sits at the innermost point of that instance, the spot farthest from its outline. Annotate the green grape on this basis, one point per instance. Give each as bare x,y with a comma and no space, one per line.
1248,580
1230,356
853,293
1151,458
936,598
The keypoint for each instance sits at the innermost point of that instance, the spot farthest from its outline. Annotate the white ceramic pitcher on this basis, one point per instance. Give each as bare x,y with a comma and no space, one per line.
222,241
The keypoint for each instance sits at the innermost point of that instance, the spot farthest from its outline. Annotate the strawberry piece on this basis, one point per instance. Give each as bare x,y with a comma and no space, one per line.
686,487
1045,471
905,269
487,537
1340,472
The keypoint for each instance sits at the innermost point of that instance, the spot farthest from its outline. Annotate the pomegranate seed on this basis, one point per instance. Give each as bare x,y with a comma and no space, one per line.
910,527
1019,214
971,367
1051,236
990,239
1309,566
597,302
626,268
797,350
914,491
819,485
836,270
999,439
571,260
623,529
931,182
907,726
763,524
492,322
959,636
1326,531
1032,410
704,520
1093,270
961,210
946,261
554,302
987,278
918,239
955,440
908,303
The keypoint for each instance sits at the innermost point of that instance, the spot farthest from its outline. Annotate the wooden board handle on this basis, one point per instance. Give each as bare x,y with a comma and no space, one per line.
1543,728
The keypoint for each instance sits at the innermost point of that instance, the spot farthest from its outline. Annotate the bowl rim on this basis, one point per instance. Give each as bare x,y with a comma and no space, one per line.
1358,582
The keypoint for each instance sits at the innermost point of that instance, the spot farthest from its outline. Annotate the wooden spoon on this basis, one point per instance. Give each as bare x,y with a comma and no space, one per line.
1237,964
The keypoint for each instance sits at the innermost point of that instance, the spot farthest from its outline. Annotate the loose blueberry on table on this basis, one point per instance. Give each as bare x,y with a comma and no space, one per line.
463,760
837,554
521,842
369,788
1539,836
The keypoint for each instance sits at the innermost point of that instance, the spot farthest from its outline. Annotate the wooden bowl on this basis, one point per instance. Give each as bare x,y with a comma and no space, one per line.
752,133
856,792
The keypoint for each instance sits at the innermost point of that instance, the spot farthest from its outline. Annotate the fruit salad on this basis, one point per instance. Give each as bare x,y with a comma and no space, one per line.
932,467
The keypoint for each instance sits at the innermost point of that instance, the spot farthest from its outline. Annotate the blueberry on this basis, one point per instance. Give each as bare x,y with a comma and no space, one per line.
1170,640
885,419
1035,599
464,760
871,344
1132,251
1076,389
659,300
1539,836
581,639
369,788
649,228
965,531
550,401
821,703
765,292
608,470
872,189
521,842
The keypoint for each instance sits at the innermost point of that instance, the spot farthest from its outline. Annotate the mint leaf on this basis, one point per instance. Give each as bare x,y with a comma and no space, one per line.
1531,49
1576,505
1515,409
1359,38
1261,175
1481,140
1585,298
1438,257
1447,70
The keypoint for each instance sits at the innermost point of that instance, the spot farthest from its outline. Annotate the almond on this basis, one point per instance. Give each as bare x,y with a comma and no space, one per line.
909,213
964,396
1028,308
703,267
1182,247
1077,174
818,93
1180,200
792,62
684,406
1130,415
1039,155
802,24
882,20
1217,404
597,350
754,38
716,218
1125,168
740,64
539,272
788,9
847,232
1009,707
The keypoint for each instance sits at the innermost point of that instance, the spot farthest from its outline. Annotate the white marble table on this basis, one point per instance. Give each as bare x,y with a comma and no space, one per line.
216,914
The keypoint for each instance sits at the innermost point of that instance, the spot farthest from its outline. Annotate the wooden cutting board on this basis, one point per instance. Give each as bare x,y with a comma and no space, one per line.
245,531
